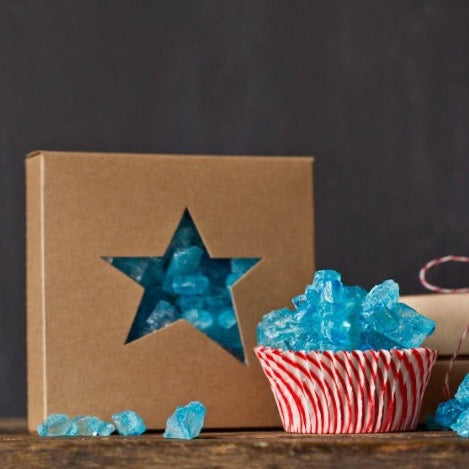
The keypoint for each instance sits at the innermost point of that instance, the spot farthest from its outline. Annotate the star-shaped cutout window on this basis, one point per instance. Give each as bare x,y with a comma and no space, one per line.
186,283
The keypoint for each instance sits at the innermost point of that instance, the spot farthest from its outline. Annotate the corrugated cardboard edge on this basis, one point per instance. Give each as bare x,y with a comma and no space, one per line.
37,393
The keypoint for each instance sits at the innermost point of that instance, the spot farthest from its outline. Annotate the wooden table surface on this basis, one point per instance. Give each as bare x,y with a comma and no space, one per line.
243,449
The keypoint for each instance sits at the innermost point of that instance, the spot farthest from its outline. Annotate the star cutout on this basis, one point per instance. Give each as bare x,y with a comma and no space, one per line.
186,283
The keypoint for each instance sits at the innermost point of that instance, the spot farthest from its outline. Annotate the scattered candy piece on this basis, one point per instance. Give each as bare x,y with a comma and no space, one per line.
88,425
454,413
129,423
57,425
186,422
461,426
333,316
448,412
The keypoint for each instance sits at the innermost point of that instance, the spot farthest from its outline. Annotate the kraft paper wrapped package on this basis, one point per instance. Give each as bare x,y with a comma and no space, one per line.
147,275
450,312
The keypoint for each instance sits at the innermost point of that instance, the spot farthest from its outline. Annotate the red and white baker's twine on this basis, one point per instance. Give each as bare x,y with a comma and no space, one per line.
441,260
435,288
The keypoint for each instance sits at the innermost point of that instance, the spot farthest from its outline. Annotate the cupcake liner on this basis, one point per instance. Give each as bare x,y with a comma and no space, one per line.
348,392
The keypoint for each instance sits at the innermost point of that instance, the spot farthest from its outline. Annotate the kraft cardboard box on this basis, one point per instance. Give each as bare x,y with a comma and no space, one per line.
85,208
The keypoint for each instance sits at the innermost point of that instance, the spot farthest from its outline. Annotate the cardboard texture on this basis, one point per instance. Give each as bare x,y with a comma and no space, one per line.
451,314
81,207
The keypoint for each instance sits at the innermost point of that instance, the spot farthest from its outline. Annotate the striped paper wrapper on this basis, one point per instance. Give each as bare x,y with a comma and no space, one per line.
348,392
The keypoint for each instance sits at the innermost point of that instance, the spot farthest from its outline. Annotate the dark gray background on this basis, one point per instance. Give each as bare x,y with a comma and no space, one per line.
378,91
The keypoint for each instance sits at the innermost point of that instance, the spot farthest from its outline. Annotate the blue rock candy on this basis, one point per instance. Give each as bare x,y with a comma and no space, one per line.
201,319
227,319
185,302
88,425
462,394
129,423
461,426
185,261
57,425
163,314
186,422
332,316
195,284
186,283
448,412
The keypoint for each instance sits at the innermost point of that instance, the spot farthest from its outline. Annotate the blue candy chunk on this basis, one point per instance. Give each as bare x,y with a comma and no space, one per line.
88,425
462,394
448,412
201,319
163,314
384,294
186,302
323,277
227,319
195,284
217,298
184,261
373,340
57,425
461,426
186,422
298,301
240,266
129,423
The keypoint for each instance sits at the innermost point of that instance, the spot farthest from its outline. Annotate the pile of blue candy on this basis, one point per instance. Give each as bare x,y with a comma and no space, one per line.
333,316
453,414
186,283
184,424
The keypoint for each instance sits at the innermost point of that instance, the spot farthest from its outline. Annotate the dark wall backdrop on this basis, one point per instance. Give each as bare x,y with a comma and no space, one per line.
378,91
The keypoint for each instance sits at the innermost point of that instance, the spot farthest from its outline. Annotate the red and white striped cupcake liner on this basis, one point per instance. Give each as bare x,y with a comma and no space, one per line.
348,392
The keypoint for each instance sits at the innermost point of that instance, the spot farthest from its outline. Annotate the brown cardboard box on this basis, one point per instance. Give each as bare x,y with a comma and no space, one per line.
81,207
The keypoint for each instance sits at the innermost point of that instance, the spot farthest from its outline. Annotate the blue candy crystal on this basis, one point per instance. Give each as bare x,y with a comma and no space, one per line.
190,284
332,316
201,319
227,319
186,283
393,322
461,426
57,425
462,394
185,261
129,423
89,425
448,412
186,422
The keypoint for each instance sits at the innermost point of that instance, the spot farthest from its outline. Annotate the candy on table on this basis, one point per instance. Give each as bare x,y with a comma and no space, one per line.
186,283
332,316
186,422
454,413
88,425
57,425
129,423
